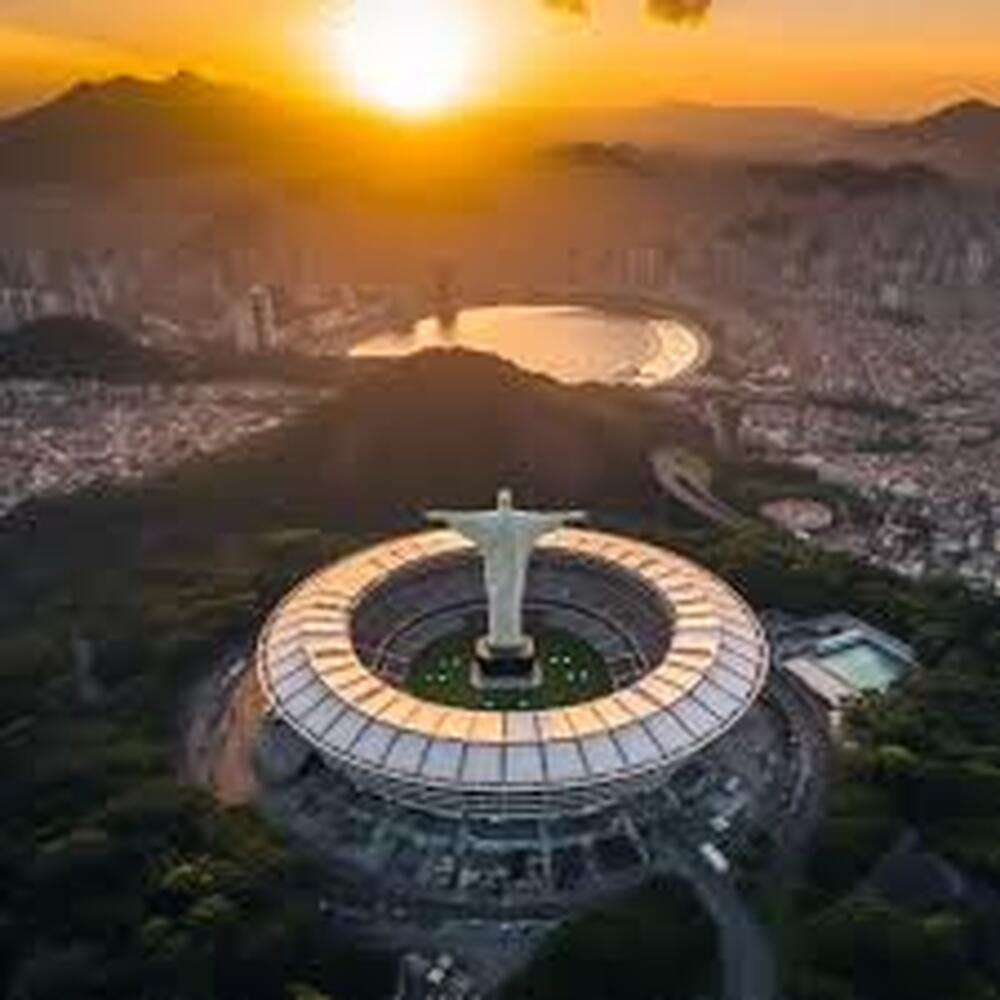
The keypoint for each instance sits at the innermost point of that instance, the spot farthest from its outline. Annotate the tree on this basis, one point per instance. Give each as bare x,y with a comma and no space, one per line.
655,939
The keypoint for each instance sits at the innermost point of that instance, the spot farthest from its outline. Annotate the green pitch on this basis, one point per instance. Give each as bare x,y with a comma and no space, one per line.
572,672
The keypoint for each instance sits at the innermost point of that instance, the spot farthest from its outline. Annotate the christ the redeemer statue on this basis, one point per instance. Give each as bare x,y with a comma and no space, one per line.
505,537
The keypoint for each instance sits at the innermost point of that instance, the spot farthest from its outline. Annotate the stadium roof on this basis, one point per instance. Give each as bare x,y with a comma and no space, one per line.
711,674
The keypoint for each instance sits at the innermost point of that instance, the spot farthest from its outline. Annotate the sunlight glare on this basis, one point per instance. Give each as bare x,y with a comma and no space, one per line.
409,57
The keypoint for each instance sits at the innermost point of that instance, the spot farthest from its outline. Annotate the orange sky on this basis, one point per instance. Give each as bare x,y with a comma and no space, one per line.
867,56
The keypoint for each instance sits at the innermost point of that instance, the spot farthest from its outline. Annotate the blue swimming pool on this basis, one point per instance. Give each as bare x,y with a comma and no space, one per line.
862,662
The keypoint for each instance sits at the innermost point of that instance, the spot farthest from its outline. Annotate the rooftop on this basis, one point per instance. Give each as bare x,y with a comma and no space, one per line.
316,682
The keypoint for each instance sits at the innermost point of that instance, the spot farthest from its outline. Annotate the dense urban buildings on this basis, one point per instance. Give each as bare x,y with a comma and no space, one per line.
60,437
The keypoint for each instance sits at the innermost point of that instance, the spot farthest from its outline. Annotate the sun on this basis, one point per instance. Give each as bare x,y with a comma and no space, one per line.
412,58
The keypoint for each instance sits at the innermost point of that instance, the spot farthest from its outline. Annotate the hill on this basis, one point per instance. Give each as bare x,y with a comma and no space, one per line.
962,138
132,129
70,347
716,130
850,179
438,428
127,128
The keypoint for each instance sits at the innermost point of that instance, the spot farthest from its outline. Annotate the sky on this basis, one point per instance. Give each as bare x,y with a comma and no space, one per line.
868,57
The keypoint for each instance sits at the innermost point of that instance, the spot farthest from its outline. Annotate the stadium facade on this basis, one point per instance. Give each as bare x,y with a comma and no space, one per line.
686,657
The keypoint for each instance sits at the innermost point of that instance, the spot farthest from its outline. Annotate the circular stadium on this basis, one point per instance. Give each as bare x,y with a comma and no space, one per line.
647,659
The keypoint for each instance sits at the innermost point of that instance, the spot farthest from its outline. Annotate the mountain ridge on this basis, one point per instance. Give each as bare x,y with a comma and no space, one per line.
127,127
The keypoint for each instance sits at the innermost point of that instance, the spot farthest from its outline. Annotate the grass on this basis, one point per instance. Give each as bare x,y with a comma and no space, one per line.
572,672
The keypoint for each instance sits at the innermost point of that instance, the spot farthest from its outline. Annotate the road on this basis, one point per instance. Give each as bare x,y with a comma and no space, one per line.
747,955
678,485
812,747
218,727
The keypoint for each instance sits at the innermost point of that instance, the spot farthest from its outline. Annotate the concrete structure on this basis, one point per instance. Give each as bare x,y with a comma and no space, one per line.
252,320
263,314
839,658
332,655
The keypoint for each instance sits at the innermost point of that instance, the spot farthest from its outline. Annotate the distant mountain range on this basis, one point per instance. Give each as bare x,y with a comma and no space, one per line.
126,127
714,130
963,138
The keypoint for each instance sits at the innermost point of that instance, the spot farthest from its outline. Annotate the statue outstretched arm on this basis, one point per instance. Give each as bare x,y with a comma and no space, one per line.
471,524
549,522
451,517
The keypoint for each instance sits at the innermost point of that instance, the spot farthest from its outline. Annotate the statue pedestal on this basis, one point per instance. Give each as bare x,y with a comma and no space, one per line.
514,669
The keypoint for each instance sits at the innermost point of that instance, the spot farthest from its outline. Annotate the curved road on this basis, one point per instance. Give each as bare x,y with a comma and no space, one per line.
748,960
750,967
677,484
813,752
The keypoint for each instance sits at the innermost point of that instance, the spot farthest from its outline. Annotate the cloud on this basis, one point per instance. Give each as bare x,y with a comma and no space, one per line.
674,11
678,10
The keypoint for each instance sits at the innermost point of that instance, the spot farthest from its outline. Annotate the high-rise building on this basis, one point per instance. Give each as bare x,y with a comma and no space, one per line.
19,306
252,322
263,318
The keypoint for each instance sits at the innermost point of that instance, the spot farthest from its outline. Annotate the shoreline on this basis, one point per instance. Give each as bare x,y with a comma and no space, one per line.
669,337
658,368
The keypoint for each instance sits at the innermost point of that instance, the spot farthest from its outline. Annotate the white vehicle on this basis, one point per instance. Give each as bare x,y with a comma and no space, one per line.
714,857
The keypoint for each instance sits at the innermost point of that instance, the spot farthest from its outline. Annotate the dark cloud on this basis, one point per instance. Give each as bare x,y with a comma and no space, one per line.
676,11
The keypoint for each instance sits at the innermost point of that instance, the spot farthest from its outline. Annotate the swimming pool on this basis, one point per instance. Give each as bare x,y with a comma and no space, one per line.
861,662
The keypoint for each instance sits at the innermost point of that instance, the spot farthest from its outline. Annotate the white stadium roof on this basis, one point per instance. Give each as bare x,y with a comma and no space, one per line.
711,674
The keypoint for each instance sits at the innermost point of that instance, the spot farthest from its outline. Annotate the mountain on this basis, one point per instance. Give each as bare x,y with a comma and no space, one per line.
715,130
963,139
126,128
850,178
973,125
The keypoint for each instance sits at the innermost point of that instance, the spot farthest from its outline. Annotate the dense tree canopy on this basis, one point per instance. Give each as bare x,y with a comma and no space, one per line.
115,875
654,944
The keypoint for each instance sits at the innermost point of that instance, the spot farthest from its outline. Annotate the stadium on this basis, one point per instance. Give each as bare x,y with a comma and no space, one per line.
649,660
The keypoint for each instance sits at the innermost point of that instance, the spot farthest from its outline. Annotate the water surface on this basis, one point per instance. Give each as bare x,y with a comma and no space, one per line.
864,665
574,344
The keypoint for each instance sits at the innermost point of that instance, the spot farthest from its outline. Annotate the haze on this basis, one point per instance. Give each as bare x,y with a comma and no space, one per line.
882,58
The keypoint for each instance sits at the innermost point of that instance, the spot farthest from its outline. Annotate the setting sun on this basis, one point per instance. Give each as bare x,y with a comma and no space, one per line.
408,57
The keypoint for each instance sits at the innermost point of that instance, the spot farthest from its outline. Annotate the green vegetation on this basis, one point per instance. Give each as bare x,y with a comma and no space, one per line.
75,348
68,348
749,485
865,947
121,883
656,943
925,757
571,672
691,465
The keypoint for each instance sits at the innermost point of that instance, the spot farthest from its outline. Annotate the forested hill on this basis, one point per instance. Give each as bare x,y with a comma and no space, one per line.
441,428
75,348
